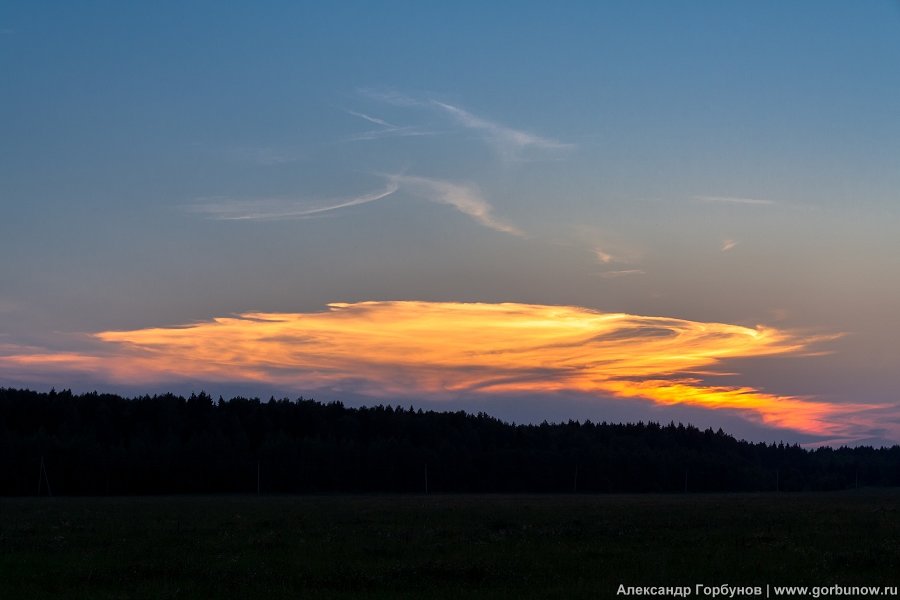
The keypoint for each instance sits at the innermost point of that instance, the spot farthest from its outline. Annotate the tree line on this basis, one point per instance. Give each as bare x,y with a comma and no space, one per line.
62,443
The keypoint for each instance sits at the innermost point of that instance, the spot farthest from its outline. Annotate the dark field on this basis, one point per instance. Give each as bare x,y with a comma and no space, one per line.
440,546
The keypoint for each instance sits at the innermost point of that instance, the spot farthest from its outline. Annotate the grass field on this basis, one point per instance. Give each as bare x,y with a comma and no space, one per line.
440,546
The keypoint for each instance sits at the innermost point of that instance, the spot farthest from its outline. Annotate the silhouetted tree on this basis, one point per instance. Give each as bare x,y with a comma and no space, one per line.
105,444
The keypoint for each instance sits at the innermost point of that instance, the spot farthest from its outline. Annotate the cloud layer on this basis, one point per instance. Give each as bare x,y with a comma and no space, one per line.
441,350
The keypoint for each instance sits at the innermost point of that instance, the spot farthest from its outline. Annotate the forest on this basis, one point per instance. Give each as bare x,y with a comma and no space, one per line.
60,443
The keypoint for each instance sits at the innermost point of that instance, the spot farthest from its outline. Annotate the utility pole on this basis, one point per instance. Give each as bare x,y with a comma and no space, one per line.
42,477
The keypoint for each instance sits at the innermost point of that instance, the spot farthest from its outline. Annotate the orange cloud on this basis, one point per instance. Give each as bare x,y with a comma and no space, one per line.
444,349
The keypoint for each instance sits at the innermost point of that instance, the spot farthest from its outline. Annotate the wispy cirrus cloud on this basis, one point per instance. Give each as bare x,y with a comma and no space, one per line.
615,263
735,200
385,129
391,97
271,209
264,155
508,142
465,198
602,256
439,350
606,259
371,119
620,273
728,245
606,247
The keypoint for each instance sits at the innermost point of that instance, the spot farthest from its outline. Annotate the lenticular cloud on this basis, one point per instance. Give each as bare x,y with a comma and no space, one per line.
438,349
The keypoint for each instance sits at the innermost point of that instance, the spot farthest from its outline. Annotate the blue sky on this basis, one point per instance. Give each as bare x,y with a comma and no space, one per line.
723,162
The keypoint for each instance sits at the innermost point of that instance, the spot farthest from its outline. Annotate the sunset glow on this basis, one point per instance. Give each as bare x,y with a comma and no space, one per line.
442,350
508,207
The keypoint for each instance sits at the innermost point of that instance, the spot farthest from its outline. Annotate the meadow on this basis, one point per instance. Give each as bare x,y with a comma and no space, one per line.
441,546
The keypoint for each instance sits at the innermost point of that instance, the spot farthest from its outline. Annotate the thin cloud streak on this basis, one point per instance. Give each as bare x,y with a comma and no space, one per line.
509,143
374,120
728,245
465,198
263,155
606,257
391,97
603,257
270,209
620,273
507,139
377,134
387,129
735,200
441,350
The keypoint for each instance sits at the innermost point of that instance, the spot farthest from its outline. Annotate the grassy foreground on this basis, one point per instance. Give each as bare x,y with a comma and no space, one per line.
440,546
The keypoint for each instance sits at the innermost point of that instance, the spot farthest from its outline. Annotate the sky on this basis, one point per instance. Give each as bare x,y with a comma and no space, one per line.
613,211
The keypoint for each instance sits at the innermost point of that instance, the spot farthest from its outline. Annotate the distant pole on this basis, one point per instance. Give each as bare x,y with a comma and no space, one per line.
42,476
257,478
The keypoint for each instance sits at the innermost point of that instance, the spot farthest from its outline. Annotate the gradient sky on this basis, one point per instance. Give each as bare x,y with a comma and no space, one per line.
604,210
